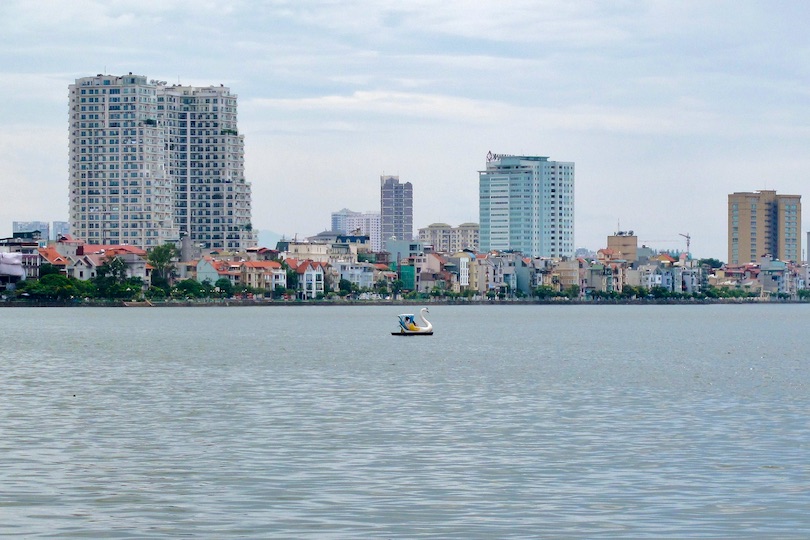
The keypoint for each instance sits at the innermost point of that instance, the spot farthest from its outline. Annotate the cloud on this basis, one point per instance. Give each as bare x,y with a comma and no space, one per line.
34,173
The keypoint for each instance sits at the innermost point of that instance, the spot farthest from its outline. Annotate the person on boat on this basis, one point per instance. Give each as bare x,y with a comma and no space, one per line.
407,323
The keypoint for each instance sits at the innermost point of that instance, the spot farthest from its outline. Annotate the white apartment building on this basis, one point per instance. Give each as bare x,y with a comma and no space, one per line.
206,161
149,161
526,204
120,190
339,220
365,223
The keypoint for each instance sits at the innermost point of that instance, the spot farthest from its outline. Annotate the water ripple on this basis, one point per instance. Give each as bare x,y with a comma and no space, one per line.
286,423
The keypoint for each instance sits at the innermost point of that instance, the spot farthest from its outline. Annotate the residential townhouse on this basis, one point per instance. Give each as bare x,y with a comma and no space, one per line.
49,255
304,251
429,271
212,270
85,267
459,265
266,275
496,272
363,275
311,278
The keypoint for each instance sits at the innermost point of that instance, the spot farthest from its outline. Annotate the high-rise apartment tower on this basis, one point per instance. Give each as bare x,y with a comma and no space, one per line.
764,223
396,209
149,162
526,204
120,190
206,162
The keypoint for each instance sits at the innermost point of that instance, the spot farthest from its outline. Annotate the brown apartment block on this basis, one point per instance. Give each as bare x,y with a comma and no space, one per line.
624,245
763,223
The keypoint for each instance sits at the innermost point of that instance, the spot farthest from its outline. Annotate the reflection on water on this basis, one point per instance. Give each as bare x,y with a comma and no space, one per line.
509,422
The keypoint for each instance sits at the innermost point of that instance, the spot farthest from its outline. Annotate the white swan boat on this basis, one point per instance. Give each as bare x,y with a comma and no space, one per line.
408,326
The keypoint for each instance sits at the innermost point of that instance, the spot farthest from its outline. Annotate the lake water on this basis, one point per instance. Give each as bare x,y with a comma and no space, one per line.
314,422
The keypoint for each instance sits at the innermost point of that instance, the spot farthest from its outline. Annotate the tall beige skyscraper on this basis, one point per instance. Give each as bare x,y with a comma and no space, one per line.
763,223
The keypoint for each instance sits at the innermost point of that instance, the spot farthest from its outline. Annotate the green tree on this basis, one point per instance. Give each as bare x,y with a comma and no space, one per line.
242,290
49,287
572,292
112,268
111,280
544,292
345,287
162,259
188,288
48,268
225,287
660,292
628,291
327,286
292,276
207,287
437,292
155,293
381,287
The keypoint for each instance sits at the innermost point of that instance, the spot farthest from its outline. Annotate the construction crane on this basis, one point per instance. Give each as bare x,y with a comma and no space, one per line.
688,240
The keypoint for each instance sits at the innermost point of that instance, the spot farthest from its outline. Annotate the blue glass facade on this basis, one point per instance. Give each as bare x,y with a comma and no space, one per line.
526,204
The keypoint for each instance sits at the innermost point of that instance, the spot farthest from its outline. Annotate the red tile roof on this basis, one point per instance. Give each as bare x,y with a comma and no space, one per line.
262,264
52,256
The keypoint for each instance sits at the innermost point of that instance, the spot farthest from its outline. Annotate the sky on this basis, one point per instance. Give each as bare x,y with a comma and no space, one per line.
664,107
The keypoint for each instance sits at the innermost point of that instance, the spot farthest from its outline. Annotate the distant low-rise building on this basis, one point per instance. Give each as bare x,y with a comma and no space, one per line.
311,278
42,227
212,270
359,274
349,222
265,275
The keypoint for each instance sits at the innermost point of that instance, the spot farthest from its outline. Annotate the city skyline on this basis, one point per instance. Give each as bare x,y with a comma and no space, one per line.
665,109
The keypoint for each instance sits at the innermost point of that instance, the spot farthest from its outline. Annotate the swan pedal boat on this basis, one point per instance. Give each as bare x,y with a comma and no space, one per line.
408,326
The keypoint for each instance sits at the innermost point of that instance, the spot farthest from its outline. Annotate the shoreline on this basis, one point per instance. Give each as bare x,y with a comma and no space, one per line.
305,303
